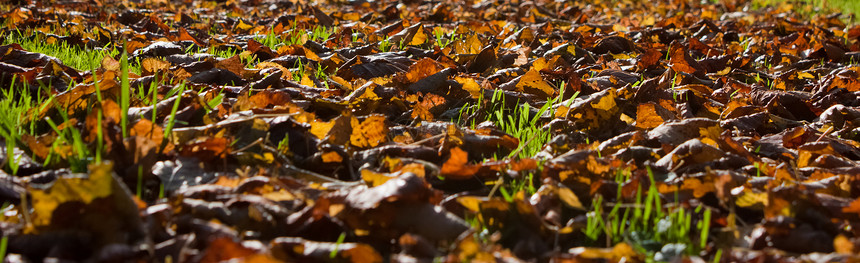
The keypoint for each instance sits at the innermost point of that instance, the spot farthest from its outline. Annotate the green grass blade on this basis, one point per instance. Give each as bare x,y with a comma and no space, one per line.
125,92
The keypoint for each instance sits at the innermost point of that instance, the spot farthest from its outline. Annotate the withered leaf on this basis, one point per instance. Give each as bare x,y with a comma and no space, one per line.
421,69
297,249
97,203
650,115
370,132
458,164
533,83
158,49
416,131
152,65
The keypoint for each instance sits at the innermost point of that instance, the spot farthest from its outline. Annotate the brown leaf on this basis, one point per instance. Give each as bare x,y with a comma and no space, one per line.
233,64
150,66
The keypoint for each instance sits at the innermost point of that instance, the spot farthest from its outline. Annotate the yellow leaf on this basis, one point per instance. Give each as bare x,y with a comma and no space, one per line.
838,33
351,16
373,178
368,94
321,128
805,75
332,157
280,195
623,56
569,198
526,35
381,81
342,82
606,103
779,84
619,28
370,133
470,85
648,21
539,64
265,65
616,254
709,14
419,38
647,117
262,258
51,40
710,134
561,111
533,83
470,202
749,198
313,56
622,251
592,165
468,249
710,142
99,184
471,45
843,245
228,181
243,26
416,168
307,81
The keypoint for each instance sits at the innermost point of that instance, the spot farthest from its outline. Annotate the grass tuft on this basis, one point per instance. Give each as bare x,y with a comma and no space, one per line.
76,57
649,225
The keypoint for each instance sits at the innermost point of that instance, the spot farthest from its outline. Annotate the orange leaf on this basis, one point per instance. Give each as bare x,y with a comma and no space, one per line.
421,69
647,116
457,164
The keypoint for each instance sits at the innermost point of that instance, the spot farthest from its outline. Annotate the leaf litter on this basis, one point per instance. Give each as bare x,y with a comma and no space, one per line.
272,131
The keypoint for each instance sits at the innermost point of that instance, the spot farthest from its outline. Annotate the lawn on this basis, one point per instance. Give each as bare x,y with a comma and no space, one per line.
847,7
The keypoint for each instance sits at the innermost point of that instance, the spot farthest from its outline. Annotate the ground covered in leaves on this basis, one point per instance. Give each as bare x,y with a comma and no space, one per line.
370,131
